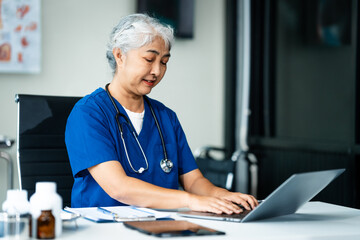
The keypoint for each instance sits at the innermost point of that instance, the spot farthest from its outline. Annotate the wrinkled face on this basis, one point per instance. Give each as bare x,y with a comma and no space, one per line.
141,69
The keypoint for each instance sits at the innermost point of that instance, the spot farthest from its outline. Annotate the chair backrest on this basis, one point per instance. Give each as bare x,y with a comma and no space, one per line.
219,172
42,154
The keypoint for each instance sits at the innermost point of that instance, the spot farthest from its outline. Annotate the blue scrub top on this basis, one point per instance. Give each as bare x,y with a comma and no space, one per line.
92,137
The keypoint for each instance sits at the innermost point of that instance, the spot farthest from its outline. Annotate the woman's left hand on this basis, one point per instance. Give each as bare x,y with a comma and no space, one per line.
247,201
196,183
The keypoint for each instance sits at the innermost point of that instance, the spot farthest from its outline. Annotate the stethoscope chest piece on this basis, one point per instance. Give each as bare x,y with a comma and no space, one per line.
166,165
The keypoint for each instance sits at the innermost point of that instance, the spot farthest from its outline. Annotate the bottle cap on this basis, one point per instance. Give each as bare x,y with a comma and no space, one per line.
16,195
45,187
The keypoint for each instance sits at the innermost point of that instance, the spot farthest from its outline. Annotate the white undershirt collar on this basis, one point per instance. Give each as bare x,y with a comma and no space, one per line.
136,119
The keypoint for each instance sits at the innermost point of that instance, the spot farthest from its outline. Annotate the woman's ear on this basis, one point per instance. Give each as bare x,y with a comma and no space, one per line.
118,55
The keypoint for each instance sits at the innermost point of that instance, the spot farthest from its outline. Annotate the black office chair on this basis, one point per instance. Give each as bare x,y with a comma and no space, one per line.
220,171
42,154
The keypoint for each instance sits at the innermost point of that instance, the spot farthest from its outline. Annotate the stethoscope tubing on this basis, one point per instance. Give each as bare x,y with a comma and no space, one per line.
167,162
158,127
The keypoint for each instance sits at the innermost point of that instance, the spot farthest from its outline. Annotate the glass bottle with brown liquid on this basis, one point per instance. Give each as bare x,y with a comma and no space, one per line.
46,225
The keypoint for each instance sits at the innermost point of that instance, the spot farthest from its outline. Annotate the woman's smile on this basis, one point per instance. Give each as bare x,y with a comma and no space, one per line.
149,82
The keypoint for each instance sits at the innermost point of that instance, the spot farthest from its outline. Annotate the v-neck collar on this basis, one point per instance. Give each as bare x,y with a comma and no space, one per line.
147,123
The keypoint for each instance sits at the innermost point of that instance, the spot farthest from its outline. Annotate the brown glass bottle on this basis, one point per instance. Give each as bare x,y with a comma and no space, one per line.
46,225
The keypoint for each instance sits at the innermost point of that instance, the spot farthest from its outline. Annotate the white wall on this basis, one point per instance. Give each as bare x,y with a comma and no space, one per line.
74,36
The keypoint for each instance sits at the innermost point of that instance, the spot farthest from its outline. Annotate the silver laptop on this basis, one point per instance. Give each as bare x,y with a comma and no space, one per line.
286,199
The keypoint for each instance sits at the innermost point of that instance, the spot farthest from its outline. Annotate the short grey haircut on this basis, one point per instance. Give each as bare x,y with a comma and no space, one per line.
134,31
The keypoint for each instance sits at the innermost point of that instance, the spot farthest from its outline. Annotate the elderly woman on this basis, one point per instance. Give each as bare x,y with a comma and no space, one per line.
126,148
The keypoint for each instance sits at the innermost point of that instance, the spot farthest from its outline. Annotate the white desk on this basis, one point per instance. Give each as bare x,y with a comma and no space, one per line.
315,220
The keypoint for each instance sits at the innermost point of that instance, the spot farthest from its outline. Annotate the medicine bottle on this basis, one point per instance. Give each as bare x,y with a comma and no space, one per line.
45,194
45,225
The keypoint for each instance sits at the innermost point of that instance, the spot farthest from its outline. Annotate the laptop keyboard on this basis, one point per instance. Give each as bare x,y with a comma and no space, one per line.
238,216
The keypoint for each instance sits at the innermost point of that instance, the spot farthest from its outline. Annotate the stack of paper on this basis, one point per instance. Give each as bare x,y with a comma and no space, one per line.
118,214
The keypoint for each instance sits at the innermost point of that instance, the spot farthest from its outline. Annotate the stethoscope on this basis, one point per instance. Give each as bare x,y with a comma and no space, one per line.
165,164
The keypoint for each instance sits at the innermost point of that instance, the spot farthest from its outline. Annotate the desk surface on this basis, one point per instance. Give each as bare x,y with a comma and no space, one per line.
315,220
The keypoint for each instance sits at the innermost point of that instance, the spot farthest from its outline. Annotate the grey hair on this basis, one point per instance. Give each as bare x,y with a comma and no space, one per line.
135,31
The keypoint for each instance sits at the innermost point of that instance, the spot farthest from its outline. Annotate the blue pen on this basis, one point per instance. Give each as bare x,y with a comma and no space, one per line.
117,218
104,210
141,210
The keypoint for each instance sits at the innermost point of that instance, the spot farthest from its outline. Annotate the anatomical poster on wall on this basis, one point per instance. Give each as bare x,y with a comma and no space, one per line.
20,36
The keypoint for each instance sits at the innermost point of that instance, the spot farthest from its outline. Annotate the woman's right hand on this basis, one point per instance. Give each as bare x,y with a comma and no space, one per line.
212,204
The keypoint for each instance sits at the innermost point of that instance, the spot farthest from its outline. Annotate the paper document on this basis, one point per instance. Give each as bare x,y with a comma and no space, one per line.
118,214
